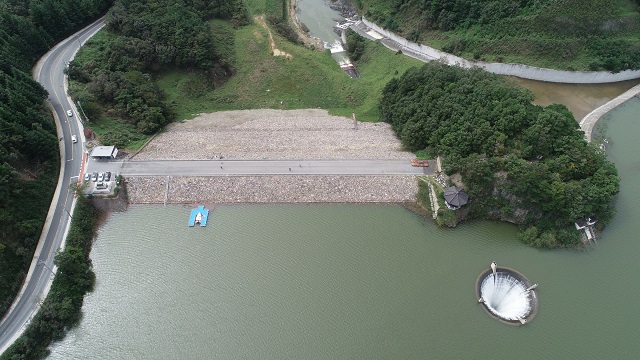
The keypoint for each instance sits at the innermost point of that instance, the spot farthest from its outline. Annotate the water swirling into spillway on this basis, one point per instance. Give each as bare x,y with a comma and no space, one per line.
507,295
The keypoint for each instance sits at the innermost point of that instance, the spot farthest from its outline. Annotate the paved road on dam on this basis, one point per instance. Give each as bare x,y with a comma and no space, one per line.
260,167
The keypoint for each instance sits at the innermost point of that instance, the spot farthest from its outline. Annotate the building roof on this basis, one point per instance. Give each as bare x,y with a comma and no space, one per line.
584,222
103,151
455,196
581,223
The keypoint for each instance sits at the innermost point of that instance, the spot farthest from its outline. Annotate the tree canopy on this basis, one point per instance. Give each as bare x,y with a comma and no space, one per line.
573,34
145,37
28,141
520,162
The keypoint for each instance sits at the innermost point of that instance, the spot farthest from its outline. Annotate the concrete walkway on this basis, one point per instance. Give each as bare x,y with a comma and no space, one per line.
434,201
262,167
589,122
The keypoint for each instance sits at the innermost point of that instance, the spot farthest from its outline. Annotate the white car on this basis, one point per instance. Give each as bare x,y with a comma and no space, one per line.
74,139
69,113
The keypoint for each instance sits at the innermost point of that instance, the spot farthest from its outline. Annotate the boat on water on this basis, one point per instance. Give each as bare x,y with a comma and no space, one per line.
199,216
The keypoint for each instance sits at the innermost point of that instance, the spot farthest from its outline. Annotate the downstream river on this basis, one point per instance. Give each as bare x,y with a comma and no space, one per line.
580,99
319,18
331,281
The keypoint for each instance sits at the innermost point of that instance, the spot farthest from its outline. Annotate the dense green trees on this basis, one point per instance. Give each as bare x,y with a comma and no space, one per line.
28,142
74,278
145,37
520,162
581,34
278,17
355,45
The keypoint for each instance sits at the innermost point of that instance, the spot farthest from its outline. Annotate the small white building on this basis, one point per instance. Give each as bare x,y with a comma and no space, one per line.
104,152
586,224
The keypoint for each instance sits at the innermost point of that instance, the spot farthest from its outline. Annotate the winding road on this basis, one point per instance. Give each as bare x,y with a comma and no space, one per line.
50,74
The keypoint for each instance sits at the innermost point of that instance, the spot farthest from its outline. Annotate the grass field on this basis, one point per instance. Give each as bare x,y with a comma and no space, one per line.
309,79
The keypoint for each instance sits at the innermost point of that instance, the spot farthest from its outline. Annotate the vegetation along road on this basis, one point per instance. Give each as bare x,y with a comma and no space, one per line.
50,75
534,158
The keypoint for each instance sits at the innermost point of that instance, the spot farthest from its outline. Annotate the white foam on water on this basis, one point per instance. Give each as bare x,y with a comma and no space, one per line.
506,297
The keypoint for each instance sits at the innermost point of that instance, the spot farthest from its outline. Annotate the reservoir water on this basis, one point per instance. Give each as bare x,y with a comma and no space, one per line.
333,281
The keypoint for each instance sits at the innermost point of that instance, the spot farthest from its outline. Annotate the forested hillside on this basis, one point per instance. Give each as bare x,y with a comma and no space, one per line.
143,38
565,34
519,162
29,159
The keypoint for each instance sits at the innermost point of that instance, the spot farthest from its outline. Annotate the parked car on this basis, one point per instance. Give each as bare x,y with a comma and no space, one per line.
74,139
94,177
69,113
87,176
100,177
107,176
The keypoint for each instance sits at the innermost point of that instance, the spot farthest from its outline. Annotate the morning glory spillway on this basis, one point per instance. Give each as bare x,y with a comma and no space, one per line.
507,295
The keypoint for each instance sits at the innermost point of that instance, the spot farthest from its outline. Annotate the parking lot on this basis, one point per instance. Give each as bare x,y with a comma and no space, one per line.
100,176
99,182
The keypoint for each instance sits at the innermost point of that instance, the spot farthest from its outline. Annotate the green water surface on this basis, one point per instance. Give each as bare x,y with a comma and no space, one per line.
355,282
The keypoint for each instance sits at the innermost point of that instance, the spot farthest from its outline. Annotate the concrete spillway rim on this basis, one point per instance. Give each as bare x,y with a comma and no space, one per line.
519,277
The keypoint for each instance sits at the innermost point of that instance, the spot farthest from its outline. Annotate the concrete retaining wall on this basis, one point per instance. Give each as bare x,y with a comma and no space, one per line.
589,122
426,53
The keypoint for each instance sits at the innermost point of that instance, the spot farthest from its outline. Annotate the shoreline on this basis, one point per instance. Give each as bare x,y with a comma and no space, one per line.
589,122
307,39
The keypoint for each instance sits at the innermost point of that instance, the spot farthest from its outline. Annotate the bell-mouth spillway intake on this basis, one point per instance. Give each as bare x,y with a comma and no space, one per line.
509,297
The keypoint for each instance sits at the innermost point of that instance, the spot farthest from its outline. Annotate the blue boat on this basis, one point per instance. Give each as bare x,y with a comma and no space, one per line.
199,216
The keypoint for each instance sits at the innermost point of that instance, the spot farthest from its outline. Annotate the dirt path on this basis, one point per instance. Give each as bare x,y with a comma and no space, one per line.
272,44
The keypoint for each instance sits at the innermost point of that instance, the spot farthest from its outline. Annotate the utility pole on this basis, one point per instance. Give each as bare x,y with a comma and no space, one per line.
40,262
68,213
83,114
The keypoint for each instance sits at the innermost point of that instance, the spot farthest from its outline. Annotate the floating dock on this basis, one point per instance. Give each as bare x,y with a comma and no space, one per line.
201,219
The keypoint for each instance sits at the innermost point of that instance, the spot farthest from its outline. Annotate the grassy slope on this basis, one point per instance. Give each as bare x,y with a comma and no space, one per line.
308,80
